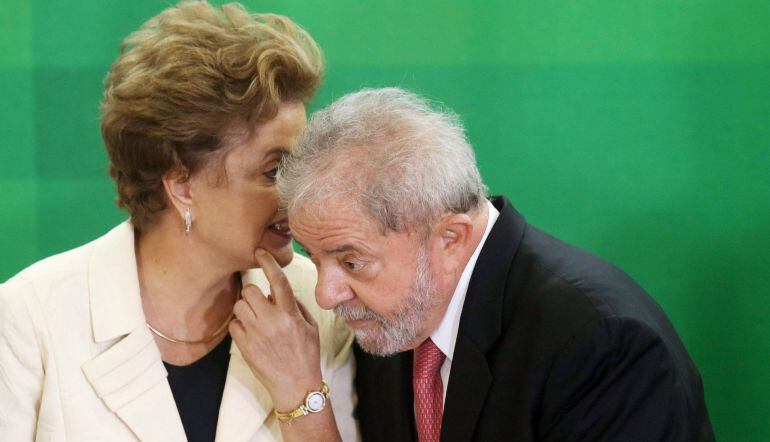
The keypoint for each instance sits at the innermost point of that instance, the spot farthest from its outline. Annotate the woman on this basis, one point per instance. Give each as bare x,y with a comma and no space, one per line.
127,337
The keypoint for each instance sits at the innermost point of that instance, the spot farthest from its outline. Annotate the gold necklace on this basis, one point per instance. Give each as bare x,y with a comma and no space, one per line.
199,341
210,337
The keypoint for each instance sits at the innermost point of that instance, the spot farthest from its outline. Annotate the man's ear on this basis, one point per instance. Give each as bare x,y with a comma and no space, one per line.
454,236
176,184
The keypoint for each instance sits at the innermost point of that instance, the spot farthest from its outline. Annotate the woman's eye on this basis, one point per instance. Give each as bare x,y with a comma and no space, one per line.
271,173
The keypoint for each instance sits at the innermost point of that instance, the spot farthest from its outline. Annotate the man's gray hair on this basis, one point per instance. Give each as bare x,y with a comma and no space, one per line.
388,153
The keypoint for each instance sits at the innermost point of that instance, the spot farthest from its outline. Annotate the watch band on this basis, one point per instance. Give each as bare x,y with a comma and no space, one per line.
309,405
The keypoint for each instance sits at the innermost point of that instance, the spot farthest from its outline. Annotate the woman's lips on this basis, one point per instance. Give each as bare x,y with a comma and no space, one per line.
280,228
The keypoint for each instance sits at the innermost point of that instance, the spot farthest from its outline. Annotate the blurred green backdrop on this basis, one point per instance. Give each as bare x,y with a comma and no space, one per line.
639,130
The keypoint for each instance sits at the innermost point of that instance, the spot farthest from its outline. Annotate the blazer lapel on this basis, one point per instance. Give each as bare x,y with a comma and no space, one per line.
131,380
246,403
129,375
480,326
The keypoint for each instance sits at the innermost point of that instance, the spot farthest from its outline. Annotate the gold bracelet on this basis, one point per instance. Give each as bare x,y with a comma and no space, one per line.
315,401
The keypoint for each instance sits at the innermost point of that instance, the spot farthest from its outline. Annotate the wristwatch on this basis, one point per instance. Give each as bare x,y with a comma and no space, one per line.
315,401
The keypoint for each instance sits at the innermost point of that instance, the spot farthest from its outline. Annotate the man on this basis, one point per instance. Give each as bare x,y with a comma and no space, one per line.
472,324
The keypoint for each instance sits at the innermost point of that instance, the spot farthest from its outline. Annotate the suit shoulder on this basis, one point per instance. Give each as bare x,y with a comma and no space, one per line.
564,295
574,266
555,290
558,272
626,363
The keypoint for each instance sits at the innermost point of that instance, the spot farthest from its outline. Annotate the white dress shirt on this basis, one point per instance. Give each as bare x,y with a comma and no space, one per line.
445,335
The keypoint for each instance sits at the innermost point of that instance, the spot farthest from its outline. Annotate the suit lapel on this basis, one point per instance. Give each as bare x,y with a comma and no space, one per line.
129,375
480,326
469,384
385,406
404,412
246,403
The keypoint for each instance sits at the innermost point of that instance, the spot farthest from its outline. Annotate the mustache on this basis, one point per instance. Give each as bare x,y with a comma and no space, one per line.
356,313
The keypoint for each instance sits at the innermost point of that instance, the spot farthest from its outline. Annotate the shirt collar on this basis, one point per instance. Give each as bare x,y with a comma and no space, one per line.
446,334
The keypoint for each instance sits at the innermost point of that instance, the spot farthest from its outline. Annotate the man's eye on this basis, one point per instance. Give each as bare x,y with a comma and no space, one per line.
354,265
271,173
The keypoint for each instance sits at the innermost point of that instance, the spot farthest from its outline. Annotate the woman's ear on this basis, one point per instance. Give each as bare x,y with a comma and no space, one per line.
178,189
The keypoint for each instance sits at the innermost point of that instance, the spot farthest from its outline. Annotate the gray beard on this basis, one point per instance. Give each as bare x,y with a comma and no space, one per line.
402,329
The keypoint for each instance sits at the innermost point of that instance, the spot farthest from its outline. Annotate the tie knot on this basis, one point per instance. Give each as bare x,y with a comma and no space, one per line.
427,359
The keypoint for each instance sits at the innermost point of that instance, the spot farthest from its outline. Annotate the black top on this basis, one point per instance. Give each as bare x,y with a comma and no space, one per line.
553,345
198,389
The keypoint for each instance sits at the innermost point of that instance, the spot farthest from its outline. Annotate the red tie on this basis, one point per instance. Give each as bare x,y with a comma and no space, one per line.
428,391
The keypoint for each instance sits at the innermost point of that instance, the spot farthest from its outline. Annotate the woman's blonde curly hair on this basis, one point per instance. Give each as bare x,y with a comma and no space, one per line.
183,79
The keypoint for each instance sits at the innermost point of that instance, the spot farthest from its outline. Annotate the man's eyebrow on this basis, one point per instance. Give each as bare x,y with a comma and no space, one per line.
341,249
281,151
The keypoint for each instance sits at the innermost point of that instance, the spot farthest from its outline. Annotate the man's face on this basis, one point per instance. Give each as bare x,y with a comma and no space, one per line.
382,284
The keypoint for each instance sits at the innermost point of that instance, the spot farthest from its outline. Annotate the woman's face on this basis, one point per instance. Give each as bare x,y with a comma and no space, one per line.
239,213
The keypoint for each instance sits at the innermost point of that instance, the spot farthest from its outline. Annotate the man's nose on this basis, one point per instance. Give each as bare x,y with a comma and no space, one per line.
332,289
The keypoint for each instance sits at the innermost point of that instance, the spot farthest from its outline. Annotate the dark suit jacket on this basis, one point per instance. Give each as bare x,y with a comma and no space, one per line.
554,344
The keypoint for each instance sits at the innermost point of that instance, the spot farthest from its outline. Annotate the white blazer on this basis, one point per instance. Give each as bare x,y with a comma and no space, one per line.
78,363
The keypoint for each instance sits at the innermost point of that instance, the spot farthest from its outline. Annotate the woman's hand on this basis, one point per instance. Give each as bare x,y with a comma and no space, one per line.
278,338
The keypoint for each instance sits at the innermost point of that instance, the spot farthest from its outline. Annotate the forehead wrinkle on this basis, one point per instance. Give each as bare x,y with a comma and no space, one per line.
344,238
350,243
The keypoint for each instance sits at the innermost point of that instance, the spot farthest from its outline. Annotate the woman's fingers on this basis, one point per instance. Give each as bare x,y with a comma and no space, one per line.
306,314
237,330
279,284
277,337
243,312
255,299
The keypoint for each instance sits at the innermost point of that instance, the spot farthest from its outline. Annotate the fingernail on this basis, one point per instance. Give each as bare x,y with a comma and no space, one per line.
260,252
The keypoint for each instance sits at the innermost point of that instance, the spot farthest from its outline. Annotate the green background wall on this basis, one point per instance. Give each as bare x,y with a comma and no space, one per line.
639,130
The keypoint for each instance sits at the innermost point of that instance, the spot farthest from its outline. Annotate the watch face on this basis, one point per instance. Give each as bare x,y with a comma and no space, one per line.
315,402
